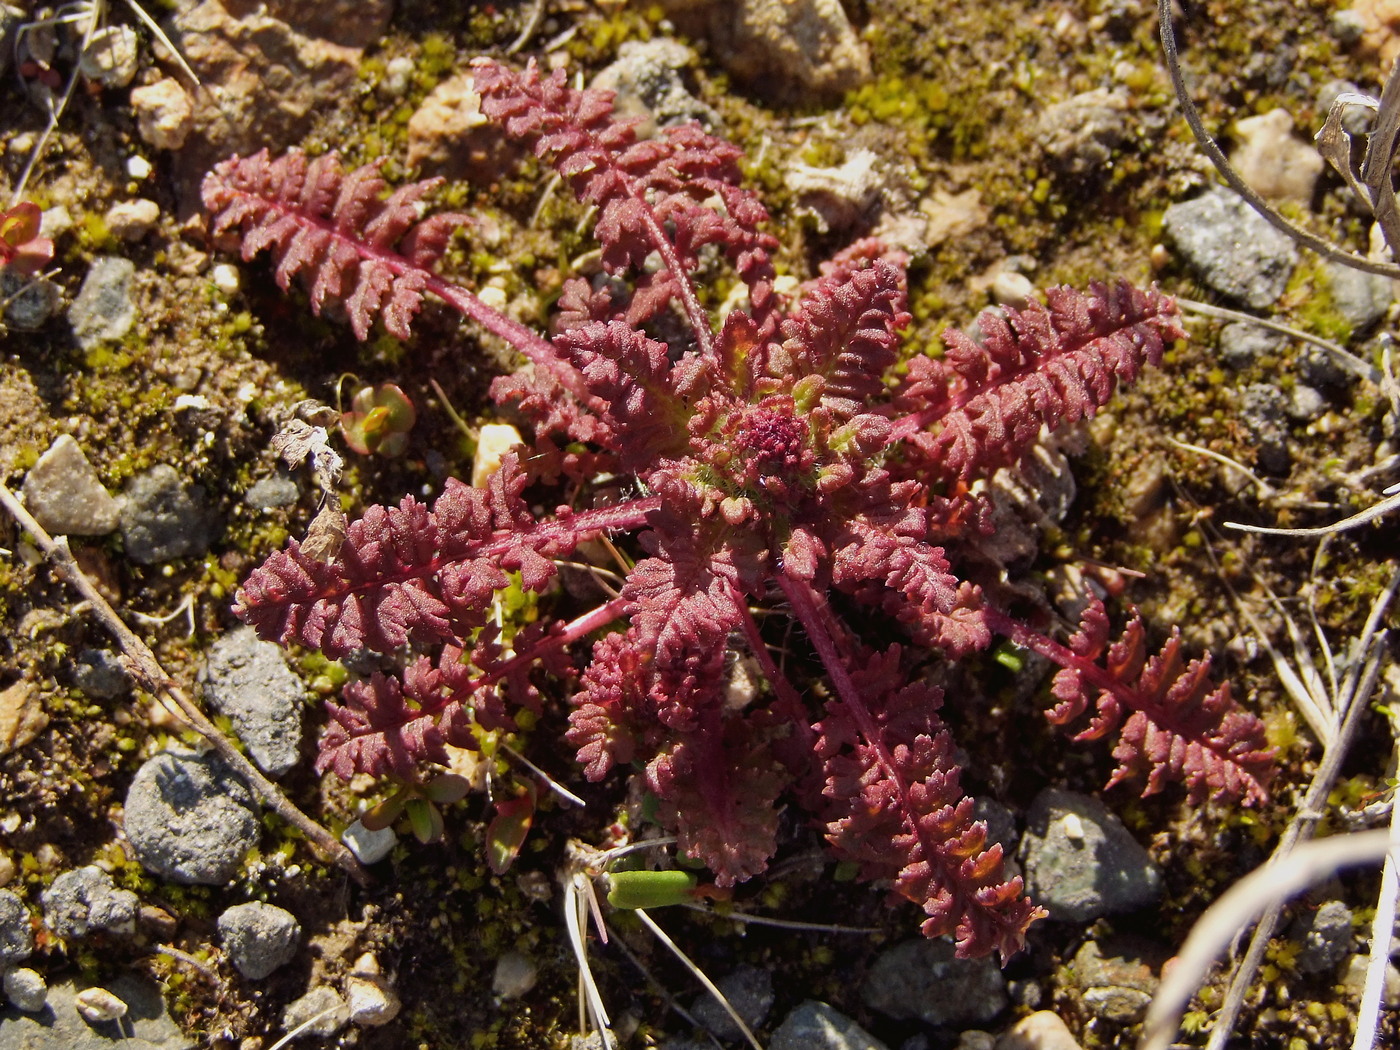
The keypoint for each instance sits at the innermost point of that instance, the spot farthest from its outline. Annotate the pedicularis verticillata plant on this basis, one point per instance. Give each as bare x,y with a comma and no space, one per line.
775,460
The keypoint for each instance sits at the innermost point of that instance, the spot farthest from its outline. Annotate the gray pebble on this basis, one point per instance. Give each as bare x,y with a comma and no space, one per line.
248,680
1117,977
26,990
647,80
1232,247
1306,403
1264,412
1346,26
749,990
1241,343
189,818
322,1003
1326,936
104,311
65,495
369,847
86,900
271,493
1361,298
516,973
100,675
259,937
1081,862
16,932
163,518
816,1026
926,980
30,301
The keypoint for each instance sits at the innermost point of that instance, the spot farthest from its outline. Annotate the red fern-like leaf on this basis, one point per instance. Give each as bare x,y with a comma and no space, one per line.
370,251
845,330
894,805
1176,725
1041,366
409,574
388,726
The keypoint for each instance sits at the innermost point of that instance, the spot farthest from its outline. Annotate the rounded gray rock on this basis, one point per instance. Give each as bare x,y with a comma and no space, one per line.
163,518
248,679
816,1026
749,990
1232,247
26,990
190,818
259,937
65,495
103,310
926,980
86,900
16,933
1081,862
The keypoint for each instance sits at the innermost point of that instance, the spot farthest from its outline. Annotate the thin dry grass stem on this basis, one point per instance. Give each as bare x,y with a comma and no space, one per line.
1340,354
1227,172
749,919
699,975
1332,705
1382,933
1243,903
142,663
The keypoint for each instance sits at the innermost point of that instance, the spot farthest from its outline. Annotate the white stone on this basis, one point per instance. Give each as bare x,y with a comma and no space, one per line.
368,994
368,846
138,167
1012,289
110,56
62,490
515,975
1042,1030
1272,161
225,277
99,1005
164,114
494,441
132,220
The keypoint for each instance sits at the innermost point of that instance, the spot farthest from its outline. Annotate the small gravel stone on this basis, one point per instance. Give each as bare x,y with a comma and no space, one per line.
110,56
189,818
26,990
369,847
1080,134
1326,937
271,493
98,1005
132,220
1232,247
1117,977
1305,403
259,937
163,518
29,302
516,973
646,80
1273,161
86,900
164,115
100,675
321,1002
926,980
1042,1030
248,680
1263,409
749,990
103,312
1081,862
22,715
16,931
1361,298
368,994
1241,343
65,495
816,1026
